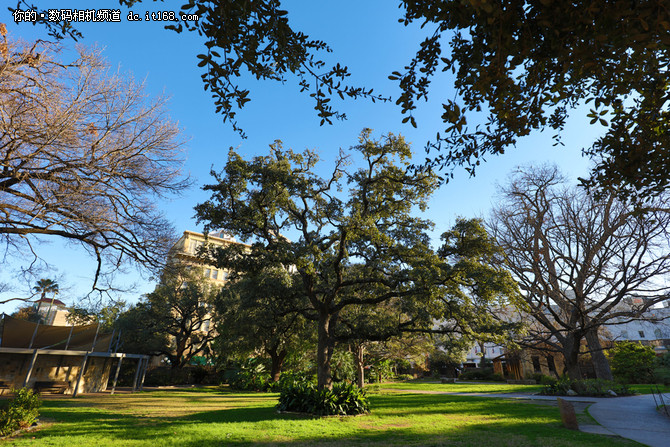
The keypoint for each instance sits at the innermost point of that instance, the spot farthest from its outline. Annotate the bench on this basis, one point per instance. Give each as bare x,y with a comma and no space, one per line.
51,386
4,386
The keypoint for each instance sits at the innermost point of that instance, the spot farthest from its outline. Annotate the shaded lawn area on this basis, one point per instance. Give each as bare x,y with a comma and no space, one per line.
466,387
210,417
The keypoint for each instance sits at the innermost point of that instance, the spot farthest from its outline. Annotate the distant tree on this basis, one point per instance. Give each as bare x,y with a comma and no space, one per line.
28,313
261,313
632,362
581,262
105,315
83,157
171,320
46,286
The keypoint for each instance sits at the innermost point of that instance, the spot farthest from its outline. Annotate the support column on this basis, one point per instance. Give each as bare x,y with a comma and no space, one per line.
81,373
116,374
30,369
144,373
137,373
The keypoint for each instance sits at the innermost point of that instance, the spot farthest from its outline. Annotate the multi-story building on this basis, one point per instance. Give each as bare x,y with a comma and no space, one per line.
185,251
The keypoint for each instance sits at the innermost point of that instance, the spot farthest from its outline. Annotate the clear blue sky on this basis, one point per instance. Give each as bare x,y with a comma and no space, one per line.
364,35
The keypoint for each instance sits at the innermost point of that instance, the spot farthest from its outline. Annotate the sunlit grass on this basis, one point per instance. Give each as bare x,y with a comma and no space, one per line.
211,417
468,387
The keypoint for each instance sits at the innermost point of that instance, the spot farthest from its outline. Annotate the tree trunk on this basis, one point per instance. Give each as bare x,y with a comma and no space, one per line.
600,362
571,356
324,352
359,351
277,363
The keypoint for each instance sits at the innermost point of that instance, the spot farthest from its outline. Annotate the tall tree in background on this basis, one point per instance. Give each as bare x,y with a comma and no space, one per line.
172,320
46,286
581,262
83,156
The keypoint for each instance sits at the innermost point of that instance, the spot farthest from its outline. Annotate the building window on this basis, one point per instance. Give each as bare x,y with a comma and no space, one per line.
641,334
658,334
624,335
215,273
207,271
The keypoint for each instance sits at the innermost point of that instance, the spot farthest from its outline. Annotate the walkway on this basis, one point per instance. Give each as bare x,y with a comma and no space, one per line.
632,417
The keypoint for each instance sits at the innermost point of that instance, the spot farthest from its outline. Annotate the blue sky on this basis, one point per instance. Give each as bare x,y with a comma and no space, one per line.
365,36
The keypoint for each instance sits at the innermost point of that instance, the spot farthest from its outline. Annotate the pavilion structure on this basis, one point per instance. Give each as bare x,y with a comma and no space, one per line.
71,359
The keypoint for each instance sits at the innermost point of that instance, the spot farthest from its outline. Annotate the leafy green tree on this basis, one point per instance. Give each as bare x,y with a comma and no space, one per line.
28,313
172,319
366,237
260,312
632,362
362,248
105,316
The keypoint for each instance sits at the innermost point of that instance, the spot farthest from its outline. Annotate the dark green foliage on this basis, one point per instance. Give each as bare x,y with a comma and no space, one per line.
586,387
479,374
343,399
662,369
166,376
251,375
632,362
19,412
526,63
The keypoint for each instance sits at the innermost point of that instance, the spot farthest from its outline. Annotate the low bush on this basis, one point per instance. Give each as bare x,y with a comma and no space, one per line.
20,412
403,377
478,374
586,387
632,362
343,399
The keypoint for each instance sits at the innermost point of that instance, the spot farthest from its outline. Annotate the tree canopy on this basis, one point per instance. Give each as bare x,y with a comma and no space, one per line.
524,64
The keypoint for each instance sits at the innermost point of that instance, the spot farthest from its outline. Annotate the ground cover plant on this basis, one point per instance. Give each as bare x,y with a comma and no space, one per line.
206,416
19,412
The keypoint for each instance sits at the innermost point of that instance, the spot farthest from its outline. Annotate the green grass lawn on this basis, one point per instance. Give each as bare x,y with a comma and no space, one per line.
202,417
647,389
469,387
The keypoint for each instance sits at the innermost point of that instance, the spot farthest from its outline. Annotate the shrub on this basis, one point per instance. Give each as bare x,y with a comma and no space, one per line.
586,387
404,377
478,374
252,375
343,399
632,362
19,412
